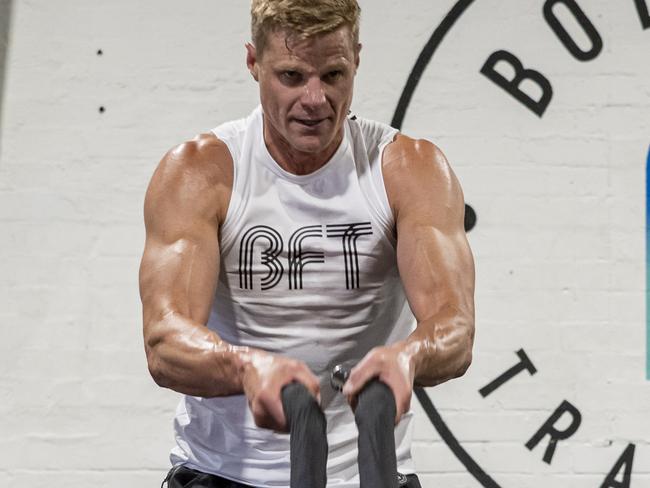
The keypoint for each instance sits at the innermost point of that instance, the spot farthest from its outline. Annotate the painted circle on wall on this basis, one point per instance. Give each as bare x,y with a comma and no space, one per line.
545,119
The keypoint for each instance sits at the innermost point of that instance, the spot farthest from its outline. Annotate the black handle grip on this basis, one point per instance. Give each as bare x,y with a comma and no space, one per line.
375,418
308,437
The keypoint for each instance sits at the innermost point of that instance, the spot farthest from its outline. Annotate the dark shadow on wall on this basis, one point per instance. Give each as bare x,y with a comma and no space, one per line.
5,23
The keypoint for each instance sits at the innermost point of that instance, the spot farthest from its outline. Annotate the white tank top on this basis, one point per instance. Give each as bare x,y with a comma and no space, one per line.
308,270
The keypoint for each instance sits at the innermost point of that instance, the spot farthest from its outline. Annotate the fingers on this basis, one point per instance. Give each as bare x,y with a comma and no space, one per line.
359,376
268,412
381,363
265,393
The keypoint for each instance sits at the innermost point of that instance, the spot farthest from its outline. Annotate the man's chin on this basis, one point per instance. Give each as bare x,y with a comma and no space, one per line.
309,145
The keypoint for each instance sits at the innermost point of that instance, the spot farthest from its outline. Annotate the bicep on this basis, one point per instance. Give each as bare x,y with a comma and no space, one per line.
433,255
180,263
437,269
178,273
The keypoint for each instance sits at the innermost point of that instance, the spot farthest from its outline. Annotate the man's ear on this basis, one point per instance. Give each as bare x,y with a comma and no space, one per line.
357,57
251,60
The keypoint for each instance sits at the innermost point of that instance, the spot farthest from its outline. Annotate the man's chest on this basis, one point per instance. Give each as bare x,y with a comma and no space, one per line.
339,254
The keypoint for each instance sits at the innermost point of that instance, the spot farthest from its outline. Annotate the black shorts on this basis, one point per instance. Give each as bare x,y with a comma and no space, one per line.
183,477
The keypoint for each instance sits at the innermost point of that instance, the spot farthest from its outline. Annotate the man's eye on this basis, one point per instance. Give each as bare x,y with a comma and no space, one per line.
334,75
291,76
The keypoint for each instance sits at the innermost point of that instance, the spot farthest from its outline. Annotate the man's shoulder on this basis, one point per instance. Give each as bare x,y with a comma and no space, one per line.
409,155
205,156
415,171
197,171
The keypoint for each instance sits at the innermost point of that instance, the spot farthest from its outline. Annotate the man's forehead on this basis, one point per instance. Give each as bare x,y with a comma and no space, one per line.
288,45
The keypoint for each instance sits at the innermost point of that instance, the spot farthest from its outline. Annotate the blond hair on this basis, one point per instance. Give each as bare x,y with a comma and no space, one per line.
305,18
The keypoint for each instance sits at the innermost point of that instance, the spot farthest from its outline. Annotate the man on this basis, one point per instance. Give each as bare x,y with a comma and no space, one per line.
285,243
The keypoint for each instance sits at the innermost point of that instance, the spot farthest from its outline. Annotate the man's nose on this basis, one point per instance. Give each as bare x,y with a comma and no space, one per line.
314,94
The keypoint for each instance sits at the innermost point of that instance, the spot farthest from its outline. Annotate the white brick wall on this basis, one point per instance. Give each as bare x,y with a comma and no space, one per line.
559,243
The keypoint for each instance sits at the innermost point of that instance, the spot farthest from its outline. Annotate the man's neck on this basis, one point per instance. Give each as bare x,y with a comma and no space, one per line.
297,162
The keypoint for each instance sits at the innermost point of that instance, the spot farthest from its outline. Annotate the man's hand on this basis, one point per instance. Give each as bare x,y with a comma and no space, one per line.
390,364
264,377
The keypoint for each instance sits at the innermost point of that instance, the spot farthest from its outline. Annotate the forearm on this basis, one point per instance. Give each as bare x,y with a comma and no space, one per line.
440,348
189,358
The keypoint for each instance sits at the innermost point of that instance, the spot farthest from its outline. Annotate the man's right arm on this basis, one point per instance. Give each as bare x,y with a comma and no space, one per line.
183,208
185,204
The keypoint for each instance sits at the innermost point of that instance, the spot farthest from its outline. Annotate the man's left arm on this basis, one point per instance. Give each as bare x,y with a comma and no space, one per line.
437,270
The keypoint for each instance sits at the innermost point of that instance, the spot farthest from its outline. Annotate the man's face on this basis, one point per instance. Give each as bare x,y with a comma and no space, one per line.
306,89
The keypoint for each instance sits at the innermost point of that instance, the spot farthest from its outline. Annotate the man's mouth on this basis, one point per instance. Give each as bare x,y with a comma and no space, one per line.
309,122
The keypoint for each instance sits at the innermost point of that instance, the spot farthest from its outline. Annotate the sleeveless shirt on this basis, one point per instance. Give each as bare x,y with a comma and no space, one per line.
308,270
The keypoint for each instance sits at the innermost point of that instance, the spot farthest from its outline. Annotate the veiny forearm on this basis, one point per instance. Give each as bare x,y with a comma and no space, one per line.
189,358
441,347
